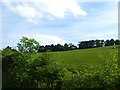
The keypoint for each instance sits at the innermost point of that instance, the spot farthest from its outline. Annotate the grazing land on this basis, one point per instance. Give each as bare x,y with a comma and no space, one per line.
98,55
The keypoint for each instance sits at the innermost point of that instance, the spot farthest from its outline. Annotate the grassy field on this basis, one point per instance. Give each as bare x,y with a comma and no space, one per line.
84,56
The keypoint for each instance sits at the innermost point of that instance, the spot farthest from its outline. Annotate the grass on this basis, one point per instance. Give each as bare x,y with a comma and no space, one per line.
84,56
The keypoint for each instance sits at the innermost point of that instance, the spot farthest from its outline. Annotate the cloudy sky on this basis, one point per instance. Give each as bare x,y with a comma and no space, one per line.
57,21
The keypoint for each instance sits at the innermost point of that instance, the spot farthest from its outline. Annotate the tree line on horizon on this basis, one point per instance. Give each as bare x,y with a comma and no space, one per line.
65,47
81,45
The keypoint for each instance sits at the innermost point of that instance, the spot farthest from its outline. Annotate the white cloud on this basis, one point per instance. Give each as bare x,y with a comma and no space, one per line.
28,12
41,38
38,10
102,25
48,39
108,34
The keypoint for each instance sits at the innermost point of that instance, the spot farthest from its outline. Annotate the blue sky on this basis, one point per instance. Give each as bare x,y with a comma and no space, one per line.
60,21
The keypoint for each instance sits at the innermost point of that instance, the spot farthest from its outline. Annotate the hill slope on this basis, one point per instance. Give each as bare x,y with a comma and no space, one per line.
84,56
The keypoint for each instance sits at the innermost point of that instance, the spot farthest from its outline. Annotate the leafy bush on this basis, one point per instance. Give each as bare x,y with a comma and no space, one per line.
18,68
33,70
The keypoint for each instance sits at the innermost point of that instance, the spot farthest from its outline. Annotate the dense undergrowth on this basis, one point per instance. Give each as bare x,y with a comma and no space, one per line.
31,70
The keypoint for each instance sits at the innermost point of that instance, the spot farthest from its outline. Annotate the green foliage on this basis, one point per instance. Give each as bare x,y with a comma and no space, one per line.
19,69
28,45
8,51
36,70
49,76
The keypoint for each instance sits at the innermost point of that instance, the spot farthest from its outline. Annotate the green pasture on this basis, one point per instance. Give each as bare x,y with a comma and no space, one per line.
84,56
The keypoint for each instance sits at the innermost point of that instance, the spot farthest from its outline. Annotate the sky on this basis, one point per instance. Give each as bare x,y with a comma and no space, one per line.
57,21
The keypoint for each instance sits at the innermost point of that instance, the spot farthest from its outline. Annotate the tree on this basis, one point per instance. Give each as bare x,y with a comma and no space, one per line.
98,44
28,45
59,47
20,69
112,42
72,46
52,47
47,47
66,46
41,49
102,43
82,45
8,51
107,43
117,42
91,43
